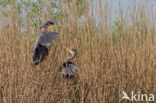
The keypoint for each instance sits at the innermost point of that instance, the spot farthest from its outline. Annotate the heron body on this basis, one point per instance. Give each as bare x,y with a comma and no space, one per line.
69,69
43,44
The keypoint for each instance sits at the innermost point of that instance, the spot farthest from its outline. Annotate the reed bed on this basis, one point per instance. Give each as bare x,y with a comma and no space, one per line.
112,56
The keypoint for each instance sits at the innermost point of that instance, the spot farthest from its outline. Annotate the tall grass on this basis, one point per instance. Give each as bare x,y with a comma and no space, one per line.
112,57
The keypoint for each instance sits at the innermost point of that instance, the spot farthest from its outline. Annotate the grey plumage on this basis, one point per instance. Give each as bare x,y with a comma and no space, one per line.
46,38
42,46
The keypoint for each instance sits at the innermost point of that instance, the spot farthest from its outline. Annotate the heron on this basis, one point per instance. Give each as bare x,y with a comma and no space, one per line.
43,44
68,69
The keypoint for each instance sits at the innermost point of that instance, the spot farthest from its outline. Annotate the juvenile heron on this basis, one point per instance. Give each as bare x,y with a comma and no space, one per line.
69,68
43,43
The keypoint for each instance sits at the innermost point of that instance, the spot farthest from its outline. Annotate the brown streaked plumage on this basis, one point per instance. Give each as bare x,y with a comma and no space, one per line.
68,69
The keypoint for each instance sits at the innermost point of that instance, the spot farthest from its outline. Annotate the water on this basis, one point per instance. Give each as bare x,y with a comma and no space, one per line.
125,5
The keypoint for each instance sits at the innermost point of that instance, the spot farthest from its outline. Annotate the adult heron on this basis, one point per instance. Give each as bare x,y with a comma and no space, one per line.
43,44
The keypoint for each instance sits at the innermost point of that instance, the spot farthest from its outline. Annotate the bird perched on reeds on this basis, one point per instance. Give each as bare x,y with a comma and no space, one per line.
68,69
43,43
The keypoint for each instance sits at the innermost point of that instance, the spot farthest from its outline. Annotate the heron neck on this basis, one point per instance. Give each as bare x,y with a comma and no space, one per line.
44,29
71,58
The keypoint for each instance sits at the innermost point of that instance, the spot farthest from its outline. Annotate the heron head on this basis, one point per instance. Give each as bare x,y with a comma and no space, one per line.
73,52
48,24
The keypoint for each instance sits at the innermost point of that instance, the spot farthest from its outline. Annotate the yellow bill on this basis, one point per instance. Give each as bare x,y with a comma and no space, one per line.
55,26
72,53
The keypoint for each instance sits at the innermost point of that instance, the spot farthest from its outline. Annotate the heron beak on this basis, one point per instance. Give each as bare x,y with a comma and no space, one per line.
55,26
72,53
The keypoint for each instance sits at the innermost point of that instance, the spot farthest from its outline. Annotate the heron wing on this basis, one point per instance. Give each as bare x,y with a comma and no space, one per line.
47,37
74,68
69,70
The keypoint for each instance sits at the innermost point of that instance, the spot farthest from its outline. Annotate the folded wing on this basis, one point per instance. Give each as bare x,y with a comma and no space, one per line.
69,69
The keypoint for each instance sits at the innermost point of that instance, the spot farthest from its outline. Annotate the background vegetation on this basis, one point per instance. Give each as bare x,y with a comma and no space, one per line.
114,55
